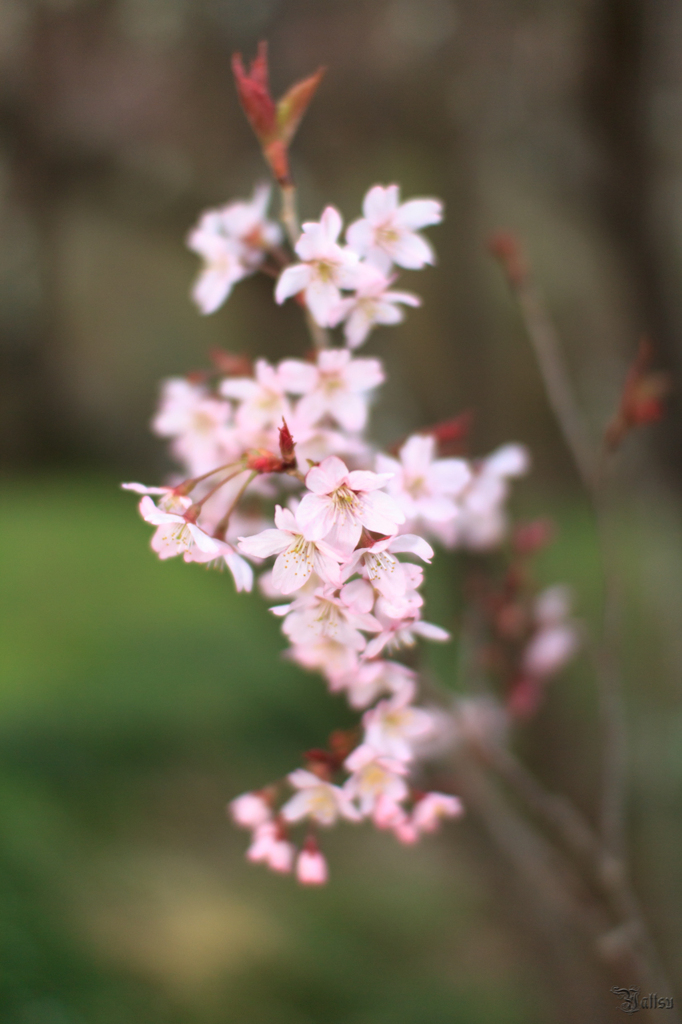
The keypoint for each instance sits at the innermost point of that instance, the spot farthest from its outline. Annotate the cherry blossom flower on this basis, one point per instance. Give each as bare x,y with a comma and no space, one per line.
242,573
556,639
324,615
482,521
388,231
378,563
432,808
232,242
169,499
249,810
177,535
271,847
424,487
401,631
326,267
374,302
333,659
246,221
318,800
365,682
263,401
297,557
316,442
340,387
374,776
340,503
198,424
393,724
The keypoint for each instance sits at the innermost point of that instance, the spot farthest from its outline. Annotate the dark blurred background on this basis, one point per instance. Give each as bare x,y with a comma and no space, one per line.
138,697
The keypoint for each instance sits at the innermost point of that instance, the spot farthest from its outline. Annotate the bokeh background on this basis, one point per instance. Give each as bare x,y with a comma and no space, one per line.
138,697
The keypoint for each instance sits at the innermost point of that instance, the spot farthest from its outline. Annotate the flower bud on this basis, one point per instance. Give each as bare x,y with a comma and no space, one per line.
311,865
287,445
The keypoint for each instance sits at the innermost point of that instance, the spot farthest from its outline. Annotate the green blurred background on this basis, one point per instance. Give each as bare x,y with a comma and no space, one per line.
138,697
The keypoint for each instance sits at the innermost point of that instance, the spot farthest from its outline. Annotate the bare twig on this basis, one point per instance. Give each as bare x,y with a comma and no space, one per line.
548,353
605,853
605,912
590,465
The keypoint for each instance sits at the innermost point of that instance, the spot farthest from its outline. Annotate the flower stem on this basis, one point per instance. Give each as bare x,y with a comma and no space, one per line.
289,218
221,528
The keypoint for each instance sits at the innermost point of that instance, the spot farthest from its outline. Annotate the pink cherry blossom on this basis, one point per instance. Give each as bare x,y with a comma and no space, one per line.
393,724
324,615
374,302
327,655
432,808
556,639
318,800
379,565
340,503
374,776
247,222
402,631
340,389
242,573
179,535
198,424
297,557
232,241
326,267
270,846
388,231
425,488
370,679
482,521
262,398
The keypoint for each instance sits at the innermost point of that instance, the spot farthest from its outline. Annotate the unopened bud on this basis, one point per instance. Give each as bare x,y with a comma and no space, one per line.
643,397
531,537
504,246
450,434
263,461
311,866
231,363
287,445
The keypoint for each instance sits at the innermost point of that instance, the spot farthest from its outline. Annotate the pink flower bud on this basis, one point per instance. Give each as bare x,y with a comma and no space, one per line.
249,810
311,866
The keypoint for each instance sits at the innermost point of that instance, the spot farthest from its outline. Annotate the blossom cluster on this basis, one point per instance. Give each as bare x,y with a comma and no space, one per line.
280,479
349,284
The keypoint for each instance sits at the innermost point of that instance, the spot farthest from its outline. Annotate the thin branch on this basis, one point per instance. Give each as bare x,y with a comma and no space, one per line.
547,348
606,873
590,465
289,218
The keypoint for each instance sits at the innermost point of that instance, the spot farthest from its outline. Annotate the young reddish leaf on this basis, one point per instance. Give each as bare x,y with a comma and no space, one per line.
274,126
293,105
276,155
254,94
642,400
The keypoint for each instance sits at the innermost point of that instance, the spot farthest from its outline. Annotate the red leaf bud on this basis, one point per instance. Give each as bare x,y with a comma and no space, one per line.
505,247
